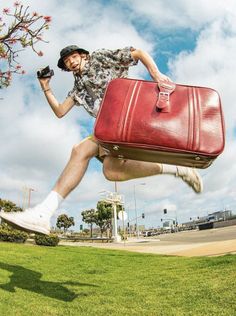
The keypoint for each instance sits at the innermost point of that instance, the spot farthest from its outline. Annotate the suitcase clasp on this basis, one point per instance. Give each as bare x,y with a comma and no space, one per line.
165,96
163,102
115,147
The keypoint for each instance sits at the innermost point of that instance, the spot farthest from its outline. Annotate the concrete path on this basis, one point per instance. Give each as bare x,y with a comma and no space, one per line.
212,242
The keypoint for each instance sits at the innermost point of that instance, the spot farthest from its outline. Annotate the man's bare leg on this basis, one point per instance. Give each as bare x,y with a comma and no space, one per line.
122,170
76,167
37,219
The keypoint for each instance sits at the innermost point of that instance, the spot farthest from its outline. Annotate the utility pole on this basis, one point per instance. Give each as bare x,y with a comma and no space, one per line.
26,197
135,209
30,190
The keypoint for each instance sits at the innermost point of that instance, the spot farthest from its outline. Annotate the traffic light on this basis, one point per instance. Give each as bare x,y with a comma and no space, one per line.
165,210
81,227
143,215
128,224
161,219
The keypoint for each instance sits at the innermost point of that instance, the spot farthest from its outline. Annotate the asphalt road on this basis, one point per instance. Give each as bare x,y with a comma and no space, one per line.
196,236
210,242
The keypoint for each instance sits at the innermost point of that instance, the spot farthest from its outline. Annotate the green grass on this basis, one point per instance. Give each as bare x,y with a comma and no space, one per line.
82,281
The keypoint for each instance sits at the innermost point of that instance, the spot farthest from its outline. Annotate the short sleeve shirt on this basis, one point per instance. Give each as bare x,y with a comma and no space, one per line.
103,66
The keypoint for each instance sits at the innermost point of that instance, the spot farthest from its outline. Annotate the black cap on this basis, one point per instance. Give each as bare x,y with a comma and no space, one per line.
67,51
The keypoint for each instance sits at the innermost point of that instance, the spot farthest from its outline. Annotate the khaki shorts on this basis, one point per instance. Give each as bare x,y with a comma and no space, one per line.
102,152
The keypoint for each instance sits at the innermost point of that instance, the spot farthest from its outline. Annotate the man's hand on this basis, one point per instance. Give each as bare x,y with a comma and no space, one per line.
44,82
150,64
162,77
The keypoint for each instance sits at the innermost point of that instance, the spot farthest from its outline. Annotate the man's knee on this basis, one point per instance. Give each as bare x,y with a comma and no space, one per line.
110,175
85,150
113,169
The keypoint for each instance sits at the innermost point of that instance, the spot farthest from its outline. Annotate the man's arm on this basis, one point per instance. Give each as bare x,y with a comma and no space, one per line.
150,64
59,109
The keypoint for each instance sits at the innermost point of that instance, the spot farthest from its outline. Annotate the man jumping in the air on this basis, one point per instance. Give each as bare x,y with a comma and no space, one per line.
92,74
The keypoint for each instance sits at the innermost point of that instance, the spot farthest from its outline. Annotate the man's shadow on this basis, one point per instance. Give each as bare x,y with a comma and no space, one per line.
29,280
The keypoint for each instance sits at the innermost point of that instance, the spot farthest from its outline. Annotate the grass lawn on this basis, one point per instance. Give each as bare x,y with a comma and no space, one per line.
82,281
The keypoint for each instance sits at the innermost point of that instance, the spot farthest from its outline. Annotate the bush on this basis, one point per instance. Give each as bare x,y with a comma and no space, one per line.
46,240
12,235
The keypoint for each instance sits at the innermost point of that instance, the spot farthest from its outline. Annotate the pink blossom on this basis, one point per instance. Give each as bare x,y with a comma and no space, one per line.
40,53
6,10
4,55
16,4
18,67
23,72
35,14
12,41
47,18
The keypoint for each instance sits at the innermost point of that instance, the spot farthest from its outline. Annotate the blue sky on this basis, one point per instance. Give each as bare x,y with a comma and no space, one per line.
194,42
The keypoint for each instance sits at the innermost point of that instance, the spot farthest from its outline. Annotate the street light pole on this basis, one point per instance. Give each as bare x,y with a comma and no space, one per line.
26,197
135,209
30,190
176,221
115,233
136,216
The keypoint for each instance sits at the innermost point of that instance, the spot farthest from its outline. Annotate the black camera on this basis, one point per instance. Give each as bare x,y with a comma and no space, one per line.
45,73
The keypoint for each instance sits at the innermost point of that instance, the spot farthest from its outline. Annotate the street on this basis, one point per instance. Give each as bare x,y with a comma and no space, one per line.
211,242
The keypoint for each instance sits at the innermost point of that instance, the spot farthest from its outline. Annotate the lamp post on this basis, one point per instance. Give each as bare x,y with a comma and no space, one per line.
135,209
30,190
26,197
128,224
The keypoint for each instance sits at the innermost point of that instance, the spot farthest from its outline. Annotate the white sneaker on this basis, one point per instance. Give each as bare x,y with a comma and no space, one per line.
30,220
191,177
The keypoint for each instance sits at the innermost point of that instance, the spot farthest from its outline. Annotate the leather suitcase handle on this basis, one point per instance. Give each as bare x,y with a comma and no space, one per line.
165,90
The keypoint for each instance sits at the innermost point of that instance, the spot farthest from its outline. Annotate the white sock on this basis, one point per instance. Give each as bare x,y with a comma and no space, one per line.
50,204
169,169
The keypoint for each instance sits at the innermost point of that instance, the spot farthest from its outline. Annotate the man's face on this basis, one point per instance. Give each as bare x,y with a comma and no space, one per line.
73,62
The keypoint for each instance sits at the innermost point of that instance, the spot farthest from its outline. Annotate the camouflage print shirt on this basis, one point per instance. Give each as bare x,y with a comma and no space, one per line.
102,66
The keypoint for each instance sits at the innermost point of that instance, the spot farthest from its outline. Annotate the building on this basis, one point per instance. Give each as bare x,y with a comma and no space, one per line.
220,215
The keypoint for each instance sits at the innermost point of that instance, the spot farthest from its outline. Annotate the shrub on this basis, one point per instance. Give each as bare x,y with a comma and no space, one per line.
12,235
46,240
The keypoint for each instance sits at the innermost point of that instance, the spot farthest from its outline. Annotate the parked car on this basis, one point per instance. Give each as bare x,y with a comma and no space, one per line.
147,234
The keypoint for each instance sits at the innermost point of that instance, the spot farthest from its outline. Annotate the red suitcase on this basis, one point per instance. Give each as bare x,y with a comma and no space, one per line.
166,123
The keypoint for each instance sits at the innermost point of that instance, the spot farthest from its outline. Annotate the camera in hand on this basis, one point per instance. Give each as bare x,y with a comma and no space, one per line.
45,73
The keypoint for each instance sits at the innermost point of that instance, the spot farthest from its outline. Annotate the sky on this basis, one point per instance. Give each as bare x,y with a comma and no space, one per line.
193,42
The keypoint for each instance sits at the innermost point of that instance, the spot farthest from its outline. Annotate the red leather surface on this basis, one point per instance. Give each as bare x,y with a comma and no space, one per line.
129,115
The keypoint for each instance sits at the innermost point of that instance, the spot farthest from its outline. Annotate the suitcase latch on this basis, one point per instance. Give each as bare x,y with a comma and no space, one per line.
116,148
165,90
165,95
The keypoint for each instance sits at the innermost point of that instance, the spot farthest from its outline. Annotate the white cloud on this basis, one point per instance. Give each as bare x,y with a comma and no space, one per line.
191,14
